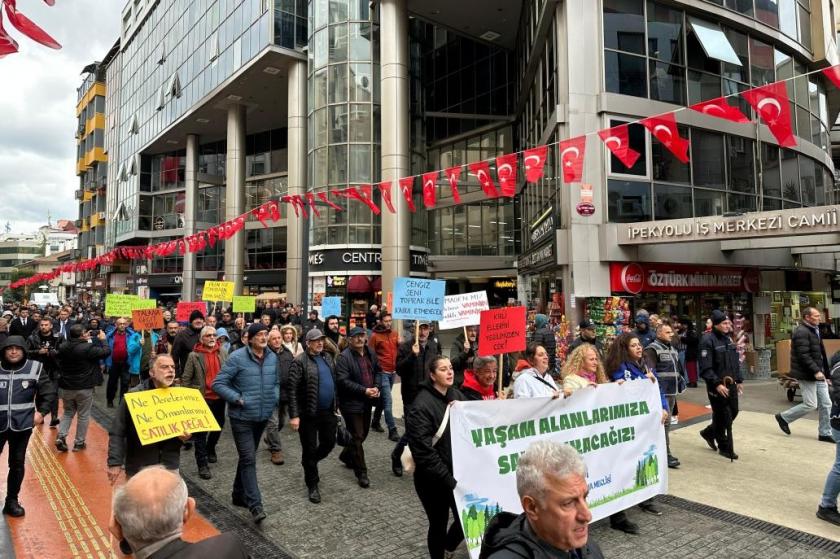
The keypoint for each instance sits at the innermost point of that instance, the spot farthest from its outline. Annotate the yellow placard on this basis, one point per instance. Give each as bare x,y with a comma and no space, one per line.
119,305
143,304
217,291
165,413
244,303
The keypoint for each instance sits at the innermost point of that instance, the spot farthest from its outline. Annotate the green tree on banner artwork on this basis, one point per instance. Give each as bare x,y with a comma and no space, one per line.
475,518
647,469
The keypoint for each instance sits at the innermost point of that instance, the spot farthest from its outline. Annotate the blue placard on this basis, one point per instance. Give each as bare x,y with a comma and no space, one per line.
330,306
418,299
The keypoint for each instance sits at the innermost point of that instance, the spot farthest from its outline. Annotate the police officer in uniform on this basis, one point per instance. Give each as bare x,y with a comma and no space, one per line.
665,362
25,396
719,367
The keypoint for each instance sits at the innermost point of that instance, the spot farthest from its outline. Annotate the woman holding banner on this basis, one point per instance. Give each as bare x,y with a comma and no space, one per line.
624,362
583,368
203,365
535,382
427,428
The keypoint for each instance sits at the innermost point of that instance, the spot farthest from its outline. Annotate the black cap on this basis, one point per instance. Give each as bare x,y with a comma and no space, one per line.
256,328
586,324
718,316
196,314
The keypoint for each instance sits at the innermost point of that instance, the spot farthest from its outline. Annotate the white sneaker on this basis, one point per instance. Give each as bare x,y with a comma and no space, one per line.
675,419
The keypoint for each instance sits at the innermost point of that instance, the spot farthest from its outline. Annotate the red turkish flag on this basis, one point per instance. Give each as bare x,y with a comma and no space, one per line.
310,199
385,193
365,193
832,73
506,172
407,187
429,189
721,109
28,27
664,129
772,105
572,153
482,172
323,197
452,175
534,161
617,140
7,44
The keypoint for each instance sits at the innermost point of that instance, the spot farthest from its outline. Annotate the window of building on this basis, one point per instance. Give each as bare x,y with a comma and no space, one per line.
713,42
628,201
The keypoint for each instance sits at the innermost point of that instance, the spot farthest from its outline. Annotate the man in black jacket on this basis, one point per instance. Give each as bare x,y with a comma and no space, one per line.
80,373
809,365
312,404
124,449
185,341
413,361
359,379
23,325
587,336
464,350
555,521
719,367
42,346
62,325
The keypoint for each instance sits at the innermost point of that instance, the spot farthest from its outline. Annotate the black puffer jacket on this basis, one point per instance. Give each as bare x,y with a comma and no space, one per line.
182,346
509,536
79,361
124,448
807,354
434,462
304,385
284,366
351,389
413,369
462,359
38,341
545,337
835,390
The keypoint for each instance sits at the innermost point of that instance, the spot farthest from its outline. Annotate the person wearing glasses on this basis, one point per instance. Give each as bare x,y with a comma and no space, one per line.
203,365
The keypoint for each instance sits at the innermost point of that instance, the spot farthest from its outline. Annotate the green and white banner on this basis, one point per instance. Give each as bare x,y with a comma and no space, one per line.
616,428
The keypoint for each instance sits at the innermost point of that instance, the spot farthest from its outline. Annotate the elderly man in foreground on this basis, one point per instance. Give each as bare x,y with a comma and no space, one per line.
551,482
150,512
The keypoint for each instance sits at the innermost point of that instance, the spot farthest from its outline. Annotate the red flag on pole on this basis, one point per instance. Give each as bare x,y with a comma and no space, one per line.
481,170
617,140
385,193
506,172
664,128
572,153
429,189
322,196
772,105
833,74
407,187
534,161
28,27
452,175
721,109
310,199
365,193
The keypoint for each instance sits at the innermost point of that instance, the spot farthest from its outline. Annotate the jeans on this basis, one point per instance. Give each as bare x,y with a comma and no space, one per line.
18,441
437,501
205,442
76,402
386,401
118,373
814,397
358,424
317,439
832,482
246,436
275,425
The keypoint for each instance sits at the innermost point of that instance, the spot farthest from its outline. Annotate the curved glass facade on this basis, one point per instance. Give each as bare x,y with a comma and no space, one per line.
344,115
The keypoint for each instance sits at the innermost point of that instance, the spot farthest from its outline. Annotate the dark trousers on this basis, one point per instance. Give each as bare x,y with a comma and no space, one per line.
437,501
205,442
246,436
403,442
18,441
117,374
724,412
358,424
317,439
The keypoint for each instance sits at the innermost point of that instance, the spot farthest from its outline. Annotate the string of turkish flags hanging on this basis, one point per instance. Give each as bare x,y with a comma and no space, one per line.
770,103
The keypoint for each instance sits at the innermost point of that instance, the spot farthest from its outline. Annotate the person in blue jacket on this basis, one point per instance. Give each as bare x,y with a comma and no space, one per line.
624,363
124,362
249,383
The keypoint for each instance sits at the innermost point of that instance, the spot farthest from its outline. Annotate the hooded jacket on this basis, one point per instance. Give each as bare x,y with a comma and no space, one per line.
462,359
384,342
434,461
412,368
28,388
182,345
509,536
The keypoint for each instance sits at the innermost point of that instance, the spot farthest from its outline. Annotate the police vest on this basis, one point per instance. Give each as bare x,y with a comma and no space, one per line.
17,396
667,367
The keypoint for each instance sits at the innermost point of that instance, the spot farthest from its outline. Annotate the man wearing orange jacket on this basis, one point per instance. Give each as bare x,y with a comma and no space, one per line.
384,342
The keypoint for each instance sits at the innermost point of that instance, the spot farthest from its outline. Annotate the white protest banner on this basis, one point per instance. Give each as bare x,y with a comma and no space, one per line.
616,428
44,299
463,310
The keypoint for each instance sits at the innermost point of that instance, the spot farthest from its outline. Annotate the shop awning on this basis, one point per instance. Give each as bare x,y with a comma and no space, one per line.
359,284
376,284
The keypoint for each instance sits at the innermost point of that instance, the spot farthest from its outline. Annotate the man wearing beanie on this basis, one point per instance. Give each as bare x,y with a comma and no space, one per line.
185,341
544,335
249,383
719,367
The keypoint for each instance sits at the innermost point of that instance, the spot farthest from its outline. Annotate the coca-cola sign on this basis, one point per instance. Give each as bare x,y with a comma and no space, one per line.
637,278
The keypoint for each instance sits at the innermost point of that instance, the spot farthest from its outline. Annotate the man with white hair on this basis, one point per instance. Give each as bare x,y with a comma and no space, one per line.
149,514
551,482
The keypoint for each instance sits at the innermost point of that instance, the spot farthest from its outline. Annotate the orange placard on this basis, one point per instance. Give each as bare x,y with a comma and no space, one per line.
147,319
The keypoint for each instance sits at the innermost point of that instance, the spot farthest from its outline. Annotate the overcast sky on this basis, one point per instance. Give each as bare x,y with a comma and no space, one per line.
38,108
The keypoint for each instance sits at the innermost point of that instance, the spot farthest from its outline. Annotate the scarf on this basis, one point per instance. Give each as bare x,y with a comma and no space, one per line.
212,366
471,382
591,377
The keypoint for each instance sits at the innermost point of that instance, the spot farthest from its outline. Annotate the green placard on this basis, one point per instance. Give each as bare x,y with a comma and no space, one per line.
141,304
119,305
244,303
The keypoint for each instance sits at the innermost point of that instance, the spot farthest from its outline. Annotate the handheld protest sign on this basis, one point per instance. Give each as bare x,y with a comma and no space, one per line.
144,304
147,319
165,413
502,331
119,305
244,303
217,291
185,308
418,299
330,306
463,309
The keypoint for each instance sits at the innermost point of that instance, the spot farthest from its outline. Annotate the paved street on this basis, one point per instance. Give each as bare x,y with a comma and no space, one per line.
387,520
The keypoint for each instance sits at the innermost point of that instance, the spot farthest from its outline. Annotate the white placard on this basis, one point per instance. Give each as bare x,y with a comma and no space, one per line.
463,310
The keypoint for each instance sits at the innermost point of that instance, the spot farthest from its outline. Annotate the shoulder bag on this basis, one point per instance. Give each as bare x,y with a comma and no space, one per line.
408,460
